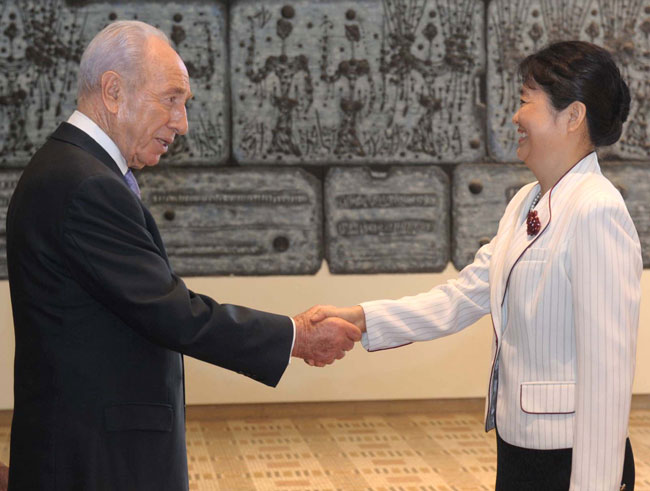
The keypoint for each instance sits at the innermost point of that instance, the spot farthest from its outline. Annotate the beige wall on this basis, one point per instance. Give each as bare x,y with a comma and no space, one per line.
456,366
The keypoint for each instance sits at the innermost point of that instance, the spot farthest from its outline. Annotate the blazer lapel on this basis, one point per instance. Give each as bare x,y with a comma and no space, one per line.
155,234
518,240
69,133
521,241
511,246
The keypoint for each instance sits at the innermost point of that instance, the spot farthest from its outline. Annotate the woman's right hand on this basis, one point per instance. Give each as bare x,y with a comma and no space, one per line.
354,314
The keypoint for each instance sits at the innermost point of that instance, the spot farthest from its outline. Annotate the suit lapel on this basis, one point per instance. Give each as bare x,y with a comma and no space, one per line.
155,234
69,133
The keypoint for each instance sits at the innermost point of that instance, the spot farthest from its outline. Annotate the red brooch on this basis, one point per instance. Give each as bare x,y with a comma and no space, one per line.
532,223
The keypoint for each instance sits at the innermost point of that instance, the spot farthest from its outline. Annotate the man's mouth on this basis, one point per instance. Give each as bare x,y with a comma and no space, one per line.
165,143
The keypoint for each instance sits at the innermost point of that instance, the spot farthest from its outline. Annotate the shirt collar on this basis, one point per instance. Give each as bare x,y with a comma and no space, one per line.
88,126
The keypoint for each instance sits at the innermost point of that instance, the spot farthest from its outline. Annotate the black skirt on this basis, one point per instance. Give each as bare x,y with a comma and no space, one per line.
525,469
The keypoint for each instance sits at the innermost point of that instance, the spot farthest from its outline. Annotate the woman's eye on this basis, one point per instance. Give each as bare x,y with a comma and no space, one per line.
522,102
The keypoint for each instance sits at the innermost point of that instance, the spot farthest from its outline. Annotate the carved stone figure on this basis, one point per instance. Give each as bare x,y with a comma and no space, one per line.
285,68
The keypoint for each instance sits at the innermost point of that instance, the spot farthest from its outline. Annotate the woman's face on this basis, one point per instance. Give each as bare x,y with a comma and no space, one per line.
538,126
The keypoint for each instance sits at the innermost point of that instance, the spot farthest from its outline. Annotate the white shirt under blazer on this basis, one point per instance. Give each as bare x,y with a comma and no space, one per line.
565,313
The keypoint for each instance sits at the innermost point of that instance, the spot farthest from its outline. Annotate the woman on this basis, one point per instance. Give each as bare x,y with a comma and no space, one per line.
561,279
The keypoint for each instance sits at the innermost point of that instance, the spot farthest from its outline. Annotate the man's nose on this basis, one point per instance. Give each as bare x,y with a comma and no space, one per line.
178,121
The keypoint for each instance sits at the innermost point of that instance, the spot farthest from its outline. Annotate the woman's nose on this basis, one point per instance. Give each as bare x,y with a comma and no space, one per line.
515,117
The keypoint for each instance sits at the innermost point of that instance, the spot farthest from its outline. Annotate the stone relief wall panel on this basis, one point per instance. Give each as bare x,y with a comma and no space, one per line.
480,194
329,83
386,220
237,221
41,44
633,181
349,82
517,28
8,181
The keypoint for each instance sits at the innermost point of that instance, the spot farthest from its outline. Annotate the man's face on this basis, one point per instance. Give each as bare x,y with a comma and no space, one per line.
153,111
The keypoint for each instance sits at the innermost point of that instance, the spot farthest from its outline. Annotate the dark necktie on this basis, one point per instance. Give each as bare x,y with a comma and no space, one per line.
132,183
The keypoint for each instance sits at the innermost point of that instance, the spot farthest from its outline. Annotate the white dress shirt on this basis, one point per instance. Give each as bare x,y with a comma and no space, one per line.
88,126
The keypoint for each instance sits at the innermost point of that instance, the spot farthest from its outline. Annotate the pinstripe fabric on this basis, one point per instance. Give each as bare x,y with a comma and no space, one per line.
565,310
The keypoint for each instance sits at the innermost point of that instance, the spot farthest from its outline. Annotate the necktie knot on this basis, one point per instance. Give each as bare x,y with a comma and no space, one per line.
132,183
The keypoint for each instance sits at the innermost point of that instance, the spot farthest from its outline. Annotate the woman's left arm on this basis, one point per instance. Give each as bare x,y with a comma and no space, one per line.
605,268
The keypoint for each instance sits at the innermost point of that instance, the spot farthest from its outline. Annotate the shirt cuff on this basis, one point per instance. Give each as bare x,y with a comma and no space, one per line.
293,323
365,336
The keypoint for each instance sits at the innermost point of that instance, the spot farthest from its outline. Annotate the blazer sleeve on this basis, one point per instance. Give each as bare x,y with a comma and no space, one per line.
605,269
110,252
441,311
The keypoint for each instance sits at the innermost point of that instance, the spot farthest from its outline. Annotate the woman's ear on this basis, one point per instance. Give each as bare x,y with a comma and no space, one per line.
577,116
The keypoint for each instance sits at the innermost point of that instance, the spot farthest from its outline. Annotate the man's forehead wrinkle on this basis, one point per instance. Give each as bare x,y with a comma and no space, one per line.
169,76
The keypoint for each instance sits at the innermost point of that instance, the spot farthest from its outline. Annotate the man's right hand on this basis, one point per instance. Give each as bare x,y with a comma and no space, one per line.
322,339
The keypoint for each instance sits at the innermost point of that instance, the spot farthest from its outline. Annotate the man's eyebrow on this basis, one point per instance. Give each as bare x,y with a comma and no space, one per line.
180,91
176,90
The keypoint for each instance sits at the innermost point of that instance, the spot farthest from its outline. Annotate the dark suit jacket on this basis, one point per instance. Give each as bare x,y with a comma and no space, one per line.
101,322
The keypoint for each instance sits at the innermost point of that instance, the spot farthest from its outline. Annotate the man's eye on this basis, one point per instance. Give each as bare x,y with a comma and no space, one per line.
522,102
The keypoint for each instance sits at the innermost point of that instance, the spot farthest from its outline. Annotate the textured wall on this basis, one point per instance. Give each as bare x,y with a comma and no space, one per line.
388,220
235,221
356,81
397,111
517,28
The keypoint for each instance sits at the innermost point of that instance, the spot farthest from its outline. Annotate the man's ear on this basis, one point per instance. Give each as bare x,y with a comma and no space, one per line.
112,91
577,113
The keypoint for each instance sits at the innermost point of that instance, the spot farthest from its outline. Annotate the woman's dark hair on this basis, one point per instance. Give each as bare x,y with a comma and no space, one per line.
571,71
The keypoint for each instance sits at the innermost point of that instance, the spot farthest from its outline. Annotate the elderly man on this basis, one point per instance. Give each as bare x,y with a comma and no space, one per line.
100,319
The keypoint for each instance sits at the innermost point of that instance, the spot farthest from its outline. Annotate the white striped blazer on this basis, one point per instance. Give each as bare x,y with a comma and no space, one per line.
565,312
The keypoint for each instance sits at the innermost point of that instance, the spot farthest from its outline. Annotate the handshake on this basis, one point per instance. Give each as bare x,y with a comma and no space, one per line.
324,333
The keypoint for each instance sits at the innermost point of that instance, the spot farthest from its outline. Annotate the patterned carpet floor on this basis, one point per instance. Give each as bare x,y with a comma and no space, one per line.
401,452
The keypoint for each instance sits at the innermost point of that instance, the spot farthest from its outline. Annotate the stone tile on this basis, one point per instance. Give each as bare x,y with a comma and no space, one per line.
516,28
633,181
393,219
357,82
8,181
480,193
237,221
40,48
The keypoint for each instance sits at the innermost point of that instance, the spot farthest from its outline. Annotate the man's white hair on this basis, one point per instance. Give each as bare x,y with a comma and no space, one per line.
118,47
